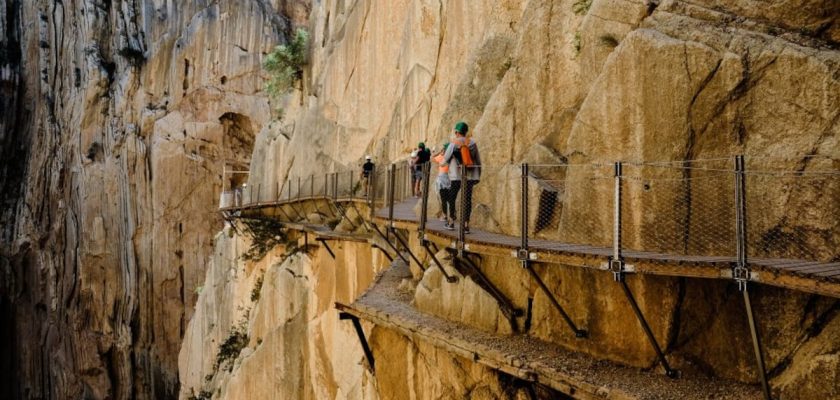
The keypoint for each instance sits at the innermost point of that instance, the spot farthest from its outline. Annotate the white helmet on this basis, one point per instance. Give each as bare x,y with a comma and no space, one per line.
367,157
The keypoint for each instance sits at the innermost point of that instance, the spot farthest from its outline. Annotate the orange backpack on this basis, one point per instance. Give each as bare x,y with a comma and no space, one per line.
466,157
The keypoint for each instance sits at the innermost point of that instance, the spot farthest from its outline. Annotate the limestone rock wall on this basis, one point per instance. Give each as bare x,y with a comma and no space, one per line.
118,118
587,82
296,345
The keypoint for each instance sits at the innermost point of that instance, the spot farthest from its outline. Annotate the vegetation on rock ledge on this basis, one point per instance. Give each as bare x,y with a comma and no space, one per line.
265,235
285,65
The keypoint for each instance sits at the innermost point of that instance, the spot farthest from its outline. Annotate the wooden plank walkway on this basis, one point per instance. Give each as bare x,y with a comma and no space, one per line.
808,276
528,358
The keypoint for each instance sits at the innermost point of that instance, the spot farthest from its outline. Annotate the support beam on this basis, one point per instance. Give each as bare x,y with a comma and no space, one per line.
362,340
449,278
579,333
759,357
391,245
468,268
670,372
376,246
408,249
326,246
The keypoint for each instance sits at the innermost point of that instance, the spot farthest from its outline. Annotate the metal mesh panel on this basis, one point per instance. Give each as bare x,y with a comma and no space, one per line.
571,203
684,208
379,187
319,186
793,209
349,185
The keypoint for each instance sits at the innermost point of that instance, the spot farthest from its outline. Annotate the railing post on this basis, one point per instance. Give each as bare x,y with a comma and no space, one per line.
335,185
297,196
372,192
259,186
424,201
523,200
312,186
617,261
461,220
392,174
741,273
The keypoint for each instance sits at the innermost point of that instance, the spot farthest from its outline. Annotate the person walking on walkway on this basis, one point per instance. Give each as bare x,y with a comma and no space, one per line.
462,151
423,157
367,170
443,184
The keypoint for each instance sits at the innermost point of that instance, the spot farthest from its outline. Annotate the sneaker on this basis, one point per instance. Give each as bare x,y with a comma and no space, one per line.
449,227
466,229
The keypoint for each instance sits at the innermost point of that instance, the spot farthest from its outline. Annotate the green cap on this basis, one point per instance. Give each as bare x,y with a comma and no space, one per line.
462,127
422,145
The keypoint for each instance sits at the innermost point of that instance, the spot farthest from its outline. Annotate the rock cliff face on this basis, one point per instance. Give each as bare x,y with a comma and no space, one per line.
117,118
118,115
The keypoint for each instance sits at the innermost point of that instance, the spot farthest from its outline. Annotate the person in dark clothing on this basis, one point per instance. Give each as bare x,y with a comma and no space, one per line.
462,151
367,170
423,157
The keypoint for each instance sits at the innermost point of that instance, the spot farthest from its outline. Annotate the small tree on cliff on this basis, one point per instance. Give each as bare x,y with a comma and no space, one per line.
285,65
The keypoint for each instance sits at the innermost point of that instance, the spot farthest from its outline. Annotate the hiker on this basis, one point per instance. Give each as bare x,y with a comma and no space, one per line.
462,151
367,170
443,185
423,157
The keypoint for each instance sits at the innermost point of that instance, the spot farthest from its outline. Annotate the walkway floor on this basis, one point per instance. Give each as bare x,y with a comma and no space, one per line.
528,358
812,277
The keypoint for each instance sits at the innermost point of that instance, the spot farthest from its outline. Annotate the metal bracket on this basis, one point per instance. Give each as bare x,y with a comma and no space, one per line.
524,255
361,334
619,268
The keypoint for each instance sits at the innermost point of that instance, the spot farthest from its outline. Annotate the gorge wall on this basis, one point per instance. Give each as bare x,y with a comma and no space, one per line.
118,116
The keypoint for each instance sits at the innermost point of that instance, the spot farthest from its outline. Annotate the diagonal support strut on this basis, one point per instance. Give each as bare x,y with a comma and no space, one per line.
326,246
449,278
361,334
670,372
579,333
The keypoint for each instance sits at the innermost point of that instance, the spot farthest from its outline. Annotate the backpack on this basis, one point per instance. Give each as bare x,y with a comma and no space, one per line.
464,156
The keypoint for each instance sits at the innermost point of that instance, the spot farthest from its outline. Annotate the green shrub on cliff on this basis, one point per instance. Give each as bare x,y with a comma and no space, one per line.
285,64
265,235
233,345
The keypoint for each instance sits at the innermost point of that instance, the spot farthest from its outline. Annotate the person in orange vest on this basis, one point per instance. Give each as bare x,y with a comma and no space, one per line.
462,151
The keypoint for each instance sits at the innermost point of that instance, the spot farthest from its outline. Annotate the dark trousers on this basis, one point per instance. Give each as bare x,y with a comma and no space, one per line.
453,195
447,203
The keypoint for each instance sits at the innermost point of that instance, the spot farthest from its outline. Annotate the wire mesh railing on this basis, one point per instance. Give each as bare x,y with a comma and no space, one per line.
679,208
793,209
571,203
683,208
